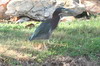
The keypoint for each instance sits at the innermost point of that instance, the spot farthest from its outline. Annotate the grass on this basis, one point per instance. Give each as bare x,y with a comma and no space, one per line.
78,38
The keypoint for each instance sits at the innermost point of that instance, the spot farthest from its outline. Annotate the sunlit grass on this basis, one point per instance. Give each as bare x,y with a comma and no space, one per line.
81,37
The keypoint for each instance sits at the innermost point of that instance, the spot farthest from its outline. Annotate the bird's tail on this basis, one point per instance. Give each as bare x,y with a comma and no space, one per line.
40,37
31,38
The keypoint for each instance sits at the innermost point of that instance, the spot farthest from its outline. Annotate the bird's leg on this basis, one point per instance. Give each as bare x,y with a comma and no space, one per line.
44,45
48,41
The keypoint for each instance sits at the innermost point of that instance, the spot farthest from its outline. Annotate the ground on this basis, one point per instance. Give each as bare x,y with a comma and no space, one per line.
75,39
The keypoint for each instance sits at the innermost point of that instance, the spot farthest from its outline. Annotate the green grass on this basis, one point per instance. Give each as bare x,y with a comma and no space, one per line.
78,38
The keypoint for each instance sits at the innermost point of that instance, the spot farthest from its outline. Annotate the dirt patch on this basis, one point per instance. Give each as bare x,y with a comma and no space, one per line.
3,63
68,61
57,61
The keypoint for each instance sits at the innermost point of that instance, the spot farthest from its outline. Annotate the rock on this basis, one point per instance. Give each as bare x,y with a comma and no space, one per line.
3,4
92,6
36,9
67,19
40,9
23,19
14,18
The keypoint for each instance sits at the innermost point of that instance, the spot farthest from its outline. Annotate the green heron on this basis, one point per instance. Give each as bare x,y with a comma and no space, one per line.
45,29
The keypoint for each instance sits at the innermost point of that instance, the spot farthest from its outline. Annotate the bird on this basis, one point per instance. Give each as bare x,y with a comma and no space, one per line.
45,29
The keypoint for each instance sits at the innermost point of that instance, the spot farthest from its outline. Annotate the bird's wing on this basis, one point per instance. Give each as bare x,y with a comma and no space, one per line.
42,31
42,28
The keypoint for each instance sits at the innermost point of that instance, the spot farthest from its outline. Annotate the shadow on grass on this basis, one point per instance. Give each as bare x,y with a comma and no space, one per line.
6,34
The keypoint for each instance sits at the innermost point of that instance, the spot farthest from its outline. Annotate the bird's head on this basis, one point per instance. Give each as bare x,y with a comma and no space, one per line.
59,11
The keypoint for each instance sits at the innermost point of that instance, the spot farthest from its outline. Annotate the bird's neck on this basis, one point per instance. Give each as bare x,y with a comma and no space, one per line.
55,21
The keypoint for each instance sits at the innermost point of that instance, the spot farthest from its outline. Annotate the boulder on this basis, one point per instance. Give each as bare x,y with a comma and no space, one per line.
67,19
14,18
92,6
36,9
40,9
3,4
23,19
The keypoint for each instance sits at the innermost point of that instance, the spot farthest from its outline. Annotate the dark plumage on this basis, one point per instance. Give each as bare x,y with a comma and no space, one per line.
44,30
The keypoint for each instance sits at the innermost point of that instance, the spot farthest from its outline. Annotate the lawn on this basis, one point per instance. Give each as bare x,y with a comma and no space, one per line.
77,38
